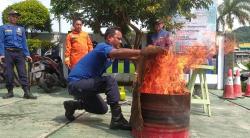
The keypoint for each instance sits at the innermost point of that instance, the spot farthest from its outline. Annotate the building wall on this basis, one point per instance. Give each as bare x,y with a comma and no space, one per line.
243,54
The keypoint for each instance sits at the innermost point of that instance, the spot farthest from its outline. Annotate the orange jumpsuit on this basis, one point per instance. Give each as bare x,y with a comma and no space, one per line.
77,46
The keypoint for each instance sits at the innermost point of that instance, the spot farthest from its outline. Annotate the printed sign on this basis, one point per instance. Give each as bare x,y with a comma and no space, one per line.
198,31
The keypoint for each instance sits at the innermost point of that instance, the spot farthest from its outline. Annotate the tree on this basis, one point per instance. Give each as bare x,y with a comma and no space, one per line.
34,15
123,13
231,9
242,34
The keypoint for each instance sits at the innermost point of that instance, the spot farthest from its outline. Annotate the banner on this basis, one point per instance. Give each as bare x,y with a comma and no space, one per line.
200,30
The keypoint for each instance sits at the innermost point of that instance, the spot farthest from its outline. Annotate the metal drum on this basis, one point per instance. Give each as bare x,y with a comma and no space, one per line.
165,116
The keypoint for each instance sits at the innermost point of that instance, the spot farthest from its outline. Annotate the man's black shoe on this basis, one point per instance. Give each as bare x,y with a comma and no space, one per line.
29,96
8,95
27,93
117,119
69,110
120,123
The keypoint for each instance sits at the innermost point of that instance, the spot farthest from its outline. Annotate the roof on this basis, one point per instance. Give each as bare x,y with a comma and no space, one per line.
244,45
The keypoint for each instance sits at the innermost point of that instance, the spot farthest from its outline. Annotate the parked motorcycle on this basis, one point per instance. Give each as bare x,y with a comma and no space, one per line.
47,71
244,71
3,77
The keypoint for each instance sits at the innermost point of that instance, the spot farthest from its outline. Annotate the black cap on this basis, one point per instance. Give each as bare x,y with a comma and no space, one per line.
13,12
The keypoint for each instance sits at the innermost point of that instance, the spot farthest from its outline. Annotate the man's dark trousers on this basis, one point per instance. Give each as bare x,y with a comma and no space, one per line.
89,90
17,58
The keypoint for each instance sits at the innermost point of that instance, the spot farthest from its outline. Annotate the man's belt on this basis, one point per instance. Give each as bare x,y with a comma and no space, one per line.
13,49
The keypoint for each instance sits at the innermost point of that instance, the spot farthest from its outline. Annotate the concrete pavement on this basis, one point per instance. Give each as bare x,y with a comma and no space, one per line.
44,117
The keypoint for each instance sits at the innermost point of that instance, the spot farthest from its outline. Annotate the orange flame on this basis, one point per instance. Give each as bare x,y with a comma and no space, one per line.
229,46
164,72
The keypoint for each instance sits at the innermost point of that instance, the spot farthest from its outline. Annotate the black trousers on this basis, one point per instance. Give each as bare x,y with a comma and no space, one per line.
15,58
89,90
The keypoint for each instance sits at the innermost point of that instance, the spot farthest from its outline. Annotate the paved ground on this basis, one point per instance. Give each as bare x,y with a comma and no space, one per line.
20,118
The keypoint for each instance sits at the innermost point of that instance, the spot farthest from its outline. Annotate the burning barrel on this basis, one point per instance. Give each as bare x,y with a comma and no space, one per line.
165,116
164,99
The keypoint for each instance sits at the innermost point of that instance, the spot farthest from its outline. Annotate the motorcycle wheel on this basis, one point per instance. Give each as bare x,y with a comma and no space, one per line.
63,83
44,85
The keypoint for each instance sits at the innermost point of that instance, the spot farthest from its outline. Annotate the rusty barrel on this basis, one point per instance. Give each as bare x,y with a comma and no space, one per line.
165,116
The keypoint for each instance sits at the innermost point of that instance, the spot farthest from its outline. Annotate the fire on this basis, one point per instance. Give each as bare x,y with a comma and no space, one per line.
164,72
229,46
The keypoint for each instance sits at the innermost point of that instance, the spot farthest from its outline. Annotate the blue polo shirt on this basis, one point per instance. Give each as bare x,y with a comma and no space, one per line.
94,64
12,36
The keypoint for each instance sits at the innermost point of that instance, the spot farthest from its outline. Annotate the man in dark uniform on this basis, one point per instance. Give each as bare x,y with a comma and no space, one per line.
14,51
86,80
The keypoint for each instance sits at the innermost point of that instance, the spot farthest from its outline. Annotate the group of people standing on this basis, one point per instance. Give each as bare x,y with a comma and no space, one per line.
86,65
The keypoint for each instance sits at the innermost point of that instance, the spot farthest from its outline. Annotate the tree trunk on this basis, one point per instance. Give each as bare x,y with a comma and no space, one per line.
138,37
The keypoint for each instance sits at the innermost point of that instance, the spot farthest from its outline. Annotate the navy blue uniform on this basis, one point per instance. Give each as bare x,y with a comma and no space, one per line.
13,46
86,80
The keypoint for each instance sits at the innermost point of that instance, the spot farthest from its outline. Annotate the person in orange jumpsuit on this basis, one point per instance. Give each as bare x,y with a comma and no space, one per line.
78,44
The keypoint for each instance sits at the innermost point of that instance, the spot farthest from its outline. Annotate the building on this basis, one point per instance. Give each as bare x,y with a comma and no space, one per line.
242,54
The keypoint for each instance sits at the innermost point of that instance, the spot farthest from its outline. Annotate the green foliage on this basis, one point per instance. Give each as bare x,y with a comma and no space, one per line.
34,15
34,44
242,34
46,45
248,66
105,13
230,10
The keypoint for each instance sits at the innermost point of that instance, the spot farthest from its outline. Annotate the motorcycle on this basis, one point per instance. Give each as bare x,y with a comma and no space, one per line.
3,77
2,70
244,71
47,72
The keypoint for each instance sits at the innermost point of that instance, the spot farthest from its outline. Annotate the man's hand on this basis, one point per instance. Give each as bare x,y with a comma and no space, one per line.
68,65
28,59
1,59
67,62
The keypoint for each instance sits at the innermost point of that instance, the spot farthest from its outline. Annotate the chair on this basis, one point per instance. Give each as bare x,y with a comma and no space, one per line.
204,94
